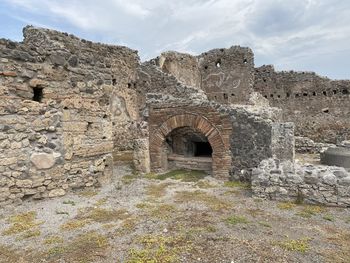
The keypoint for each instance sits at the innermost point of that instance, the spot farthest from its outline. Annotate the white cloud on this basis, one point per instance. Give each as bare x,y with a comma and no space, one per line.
285,33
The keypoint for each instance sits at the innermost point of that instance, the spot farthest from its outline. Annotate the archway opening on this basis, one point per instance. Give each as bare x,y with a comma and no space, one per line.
188,148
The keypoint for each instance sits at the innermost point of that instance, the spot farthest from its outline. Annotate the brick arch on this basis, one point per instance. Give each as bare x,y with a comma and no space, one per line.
221,154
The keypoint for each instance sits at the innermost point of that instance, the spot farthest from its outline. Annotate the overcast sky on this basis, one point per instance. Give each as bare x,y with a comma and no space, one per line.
309,35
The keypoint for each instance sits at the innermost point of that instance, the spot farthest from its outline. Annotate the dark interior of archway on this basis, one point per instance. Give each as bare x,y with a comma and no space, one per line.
202,149
188,142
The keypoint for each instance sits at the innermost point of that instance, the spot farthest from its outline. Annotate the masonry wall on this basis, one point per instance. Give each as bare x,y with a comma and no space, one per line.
313,184
58,112
318,106
250,134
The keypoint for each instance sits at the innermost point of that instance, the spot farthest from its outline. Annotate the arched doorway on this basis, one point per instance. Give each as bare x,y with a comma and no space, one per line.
188,148
205,134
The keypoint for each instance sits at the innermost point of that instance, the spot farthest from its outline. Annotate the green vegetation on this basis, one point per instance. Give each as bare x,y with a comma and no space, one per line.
102,215
73,224
211,201
299,245
286,205
310,210
21,223
84,248
329,217
237,184
159,249
88,193
157,190
53,240
234,220
128,179
69,202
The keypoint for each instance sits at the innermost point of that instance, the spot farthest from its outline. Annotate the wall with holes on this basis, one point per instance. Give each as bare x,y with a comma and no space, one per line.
62,99
319,107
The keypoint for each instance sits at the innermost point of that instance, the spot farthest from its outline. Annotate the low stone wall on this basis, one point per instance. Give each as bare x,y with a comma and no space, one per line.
306,145
314,184
190,163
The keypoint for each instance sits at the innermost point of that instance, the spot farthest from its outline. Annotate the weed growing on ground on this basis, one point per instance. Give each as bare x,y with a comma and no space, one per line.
234,220
21,223
84,248
286,205
211,201
73,224
69,202
237,184
128,179
53,240
299,245
329,217
29,234
102,215
88,193
61,213
159,249
157,190
310,210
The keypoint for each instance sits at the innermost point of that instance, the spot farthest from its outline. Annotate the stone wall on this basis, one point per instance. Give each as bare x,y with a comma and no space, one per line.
318,106
306,145
61,100
314,184
247,132
225,75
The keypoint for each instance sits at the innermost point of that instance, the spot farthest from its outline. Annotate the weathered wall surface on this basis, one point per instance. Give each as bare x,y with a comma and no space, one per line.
318,106
225,75
183,67
313,184
247,132
61,101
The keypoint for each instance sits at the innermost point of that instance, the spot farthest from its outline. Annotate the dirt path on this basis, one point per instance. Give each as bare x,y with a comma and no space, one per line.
178,217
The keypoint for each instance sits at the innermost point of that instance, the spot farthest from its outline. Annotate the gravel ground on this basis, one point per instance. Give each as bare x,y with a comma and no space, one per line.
172,220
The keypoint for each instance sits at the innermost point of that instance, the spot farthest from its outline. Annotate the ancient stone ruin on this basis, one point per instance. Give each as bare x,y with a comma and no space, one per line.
72,110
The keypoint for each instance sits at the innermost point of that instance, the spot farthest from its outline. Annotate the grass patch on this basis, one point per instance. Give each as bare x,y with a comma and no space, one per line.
211,201
329,217
102,215
286,205
157,190
235,220
101,201
341,253
298,245
310,210
62,213
128,179
53,240
237,184
182,175
21,223
69,202
88,193
85,248
159,249
74,224
163,211
30,234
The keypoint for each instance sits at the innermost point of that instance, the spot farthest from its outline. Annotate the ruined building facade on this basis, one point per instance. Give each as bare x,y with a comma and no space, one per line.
72,110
